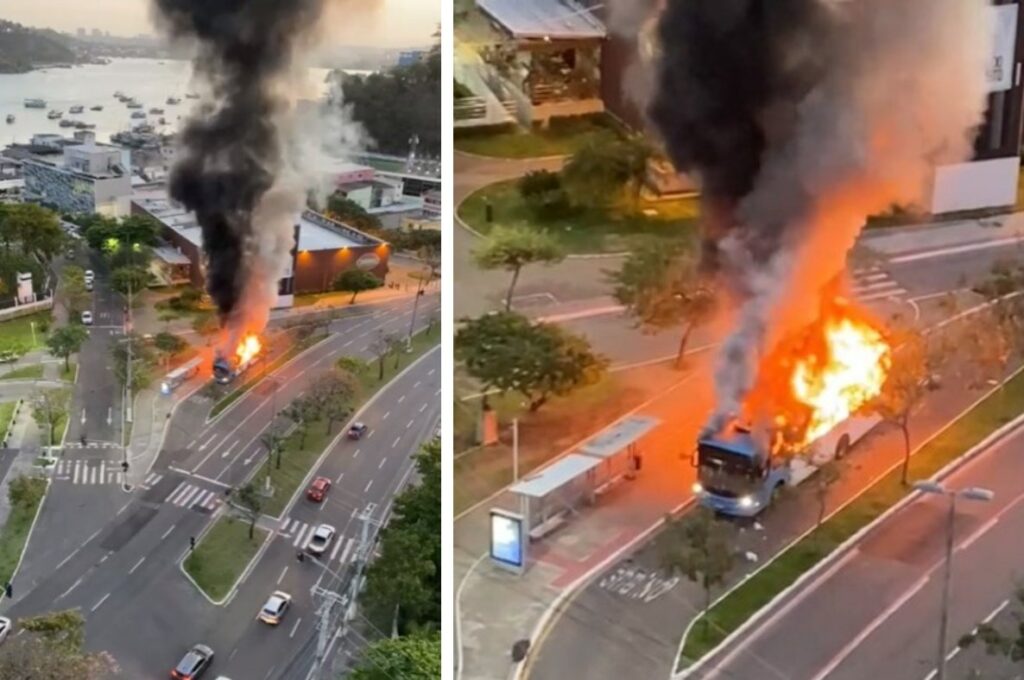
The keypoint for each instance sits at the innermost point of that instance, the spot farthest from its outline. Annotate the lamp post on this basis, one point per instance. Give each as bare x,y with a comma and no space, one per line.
971,494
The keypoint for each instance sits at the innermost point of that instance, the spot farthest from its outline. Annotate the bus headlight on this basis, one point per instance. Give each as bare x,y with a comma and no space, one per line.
746,501
698,488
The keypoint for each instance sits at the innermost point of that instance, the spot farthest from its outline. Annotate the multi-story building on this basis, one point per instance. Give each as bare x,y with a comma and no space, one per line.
325,247
82,177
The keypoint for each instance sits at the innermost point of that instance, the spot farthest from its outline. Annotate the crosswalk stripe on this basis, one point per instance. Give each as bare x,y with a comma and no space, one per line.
178,490
337,547
347,550
203,497
882,294
188,496
298,537
877,285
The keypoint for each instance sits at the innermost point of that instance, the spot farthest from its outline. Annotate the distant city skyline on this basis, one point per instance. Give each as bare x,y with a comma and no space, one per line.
390,23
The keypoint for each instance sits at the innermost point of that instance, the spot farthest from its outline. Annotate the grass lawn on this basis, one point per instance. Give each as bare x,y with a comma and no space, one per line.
997,410
6,414
523,143
292,352
222,555
15,531
17,335
68,374
34,372
297,457
593,229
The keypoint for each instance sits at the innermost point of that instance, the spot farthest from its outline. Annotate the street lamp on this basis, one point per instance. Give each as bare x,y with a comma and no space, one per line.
972,493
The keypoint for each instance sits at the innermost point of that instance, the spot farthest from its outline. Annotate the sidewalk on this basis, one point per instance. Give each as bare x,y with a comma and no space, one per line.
25,446
896,241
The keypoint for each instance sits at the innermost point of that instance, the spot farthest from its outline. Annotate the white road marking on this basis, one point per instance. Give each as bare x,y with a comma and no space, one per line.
401,399
430,372
66,559
382,461
295,628
385,416
338,480
347,550
110,415
102,600
299,536
83,416
207,443
281,577
168,532
410,424
337,547
355,454
228,450
397,439
368,485
137,565
73,586
416,384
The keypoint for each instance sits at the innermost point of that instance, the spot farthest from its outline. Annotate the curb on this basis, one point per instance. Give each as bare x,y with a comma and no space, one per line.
241,577
31,529
843,548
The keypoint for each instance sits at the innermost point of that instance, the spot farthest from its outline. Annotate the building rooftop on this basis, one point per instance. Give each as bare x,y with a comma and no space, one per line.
316,231
544,19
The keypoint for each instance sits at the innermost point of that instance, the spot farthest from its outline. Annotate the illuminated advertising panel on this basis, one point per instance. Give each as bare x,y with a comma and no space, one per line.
507,541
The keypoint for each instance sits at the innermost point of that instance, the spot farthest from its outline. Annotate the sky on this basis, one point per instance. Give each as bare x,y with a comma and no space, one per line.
391,23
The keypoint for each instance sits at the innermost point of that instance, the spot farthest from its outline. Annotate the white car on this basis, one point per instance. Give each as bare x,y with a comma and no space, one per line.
87,318
274,610
5,628
321,539
89,276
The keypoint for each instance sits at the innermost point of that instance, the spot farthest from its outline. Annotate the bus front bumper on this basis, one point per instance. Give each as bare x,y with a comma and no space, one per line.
745,506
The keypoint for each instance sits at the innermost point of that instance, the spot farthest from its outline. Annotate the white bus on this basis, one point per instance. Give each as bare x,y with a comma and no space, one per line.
179,375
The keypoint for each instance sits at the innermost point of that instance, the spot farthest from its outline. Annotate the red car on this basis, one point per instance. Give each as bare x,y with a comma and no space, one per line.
318,489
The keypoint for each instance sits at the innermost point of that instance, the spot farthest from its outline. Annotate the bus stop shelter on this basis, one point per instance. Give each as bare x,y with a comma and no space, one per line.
547,498
617,449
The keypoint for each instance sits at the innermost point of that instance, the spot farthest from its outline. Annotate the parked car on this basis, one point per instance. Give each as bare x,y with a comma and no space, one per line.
318,489
274,610
321,539
196,662
357,430
87,318
89,276
88,285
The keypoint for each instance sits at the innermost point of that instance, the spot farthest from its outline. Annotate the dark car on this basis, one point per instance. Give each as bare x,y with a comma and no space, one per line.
196,662
357,430
318,489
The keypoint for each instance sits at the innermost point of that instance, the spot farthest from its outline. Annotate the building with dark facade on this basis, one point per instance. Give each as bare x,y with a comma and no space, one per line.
325,247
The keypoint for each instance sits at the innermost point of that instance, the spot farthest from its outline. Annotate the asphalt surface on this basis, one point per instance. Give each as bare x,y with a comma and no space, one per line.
125,576
875,613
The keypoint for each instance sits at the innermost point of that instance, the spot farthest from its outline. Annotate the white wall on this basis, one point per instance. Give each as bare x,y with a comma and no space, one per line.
976,185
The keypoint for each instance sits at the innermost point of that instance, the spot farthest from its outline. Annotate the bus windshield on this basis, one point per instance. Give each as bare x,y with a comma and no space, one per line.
727,473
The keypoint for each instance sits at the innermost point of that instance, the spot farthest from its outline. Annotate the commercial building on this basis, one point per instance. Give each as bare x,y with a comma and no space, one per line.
325,247
77,176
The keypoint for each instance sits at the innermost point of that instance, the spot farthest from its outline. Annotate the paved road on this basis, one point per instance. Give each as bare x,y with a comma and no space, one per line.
887,589
125,576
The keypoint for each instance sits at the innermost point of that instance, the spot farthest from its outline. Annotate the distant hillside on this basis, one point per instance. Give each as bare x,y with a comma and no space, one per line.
22,48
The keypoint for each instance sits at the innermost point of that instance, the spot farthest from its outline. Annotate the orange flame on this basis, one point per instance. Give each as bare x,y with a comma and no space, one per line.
850,373
820,376
249,347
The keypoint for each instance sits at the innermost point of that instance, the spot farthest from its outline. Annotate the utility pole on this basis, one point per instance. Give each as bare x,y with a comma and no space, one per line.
415,306
346,600
127,412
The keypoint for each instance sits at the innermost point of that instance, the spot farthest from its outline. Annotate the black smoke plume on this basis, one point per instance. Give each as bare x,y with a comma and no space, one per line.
801,118
231,151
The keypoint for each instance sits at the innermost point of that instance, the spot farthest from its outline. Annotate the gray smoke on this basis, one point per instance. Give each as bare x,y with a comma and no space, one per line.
803,117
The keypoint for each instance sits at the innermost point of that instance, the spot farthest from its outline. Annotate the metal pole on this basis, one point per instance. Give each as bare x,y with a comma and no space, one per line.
412,322
946,588
515,449
127,418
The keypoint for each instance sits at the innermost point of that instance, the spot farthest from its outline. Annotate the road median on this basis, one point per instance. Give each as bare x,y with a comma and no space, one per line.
962,436
26,496
222,556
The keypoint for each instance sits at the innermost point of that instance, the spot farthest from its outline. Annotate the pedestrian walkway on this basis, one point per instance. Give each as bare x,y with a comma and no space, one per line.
874,283
88,472
25,441
299,534
192,496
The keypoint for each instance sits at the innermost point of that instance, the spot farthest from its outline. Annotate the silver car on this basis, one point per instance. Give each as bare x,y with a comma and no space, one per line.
321,539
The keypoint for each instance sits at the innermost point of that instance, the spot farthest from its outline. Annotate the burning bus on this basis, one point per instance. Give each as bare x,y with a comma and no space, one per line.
810,406
248,353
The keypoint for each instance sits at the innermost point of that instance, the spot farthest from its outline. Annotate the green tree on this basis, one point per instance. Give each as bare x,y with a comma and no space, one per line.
662,288
407,576
599,173
543,193
134,279
49,408
248,499
205,324
142,361
66,341
512,248
509,353
274,444
98,230
355,281
700,547
295,413
333,393
381,347
72,288
168,345
52,649
416,657
351,213
26,491
33,229
904,388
